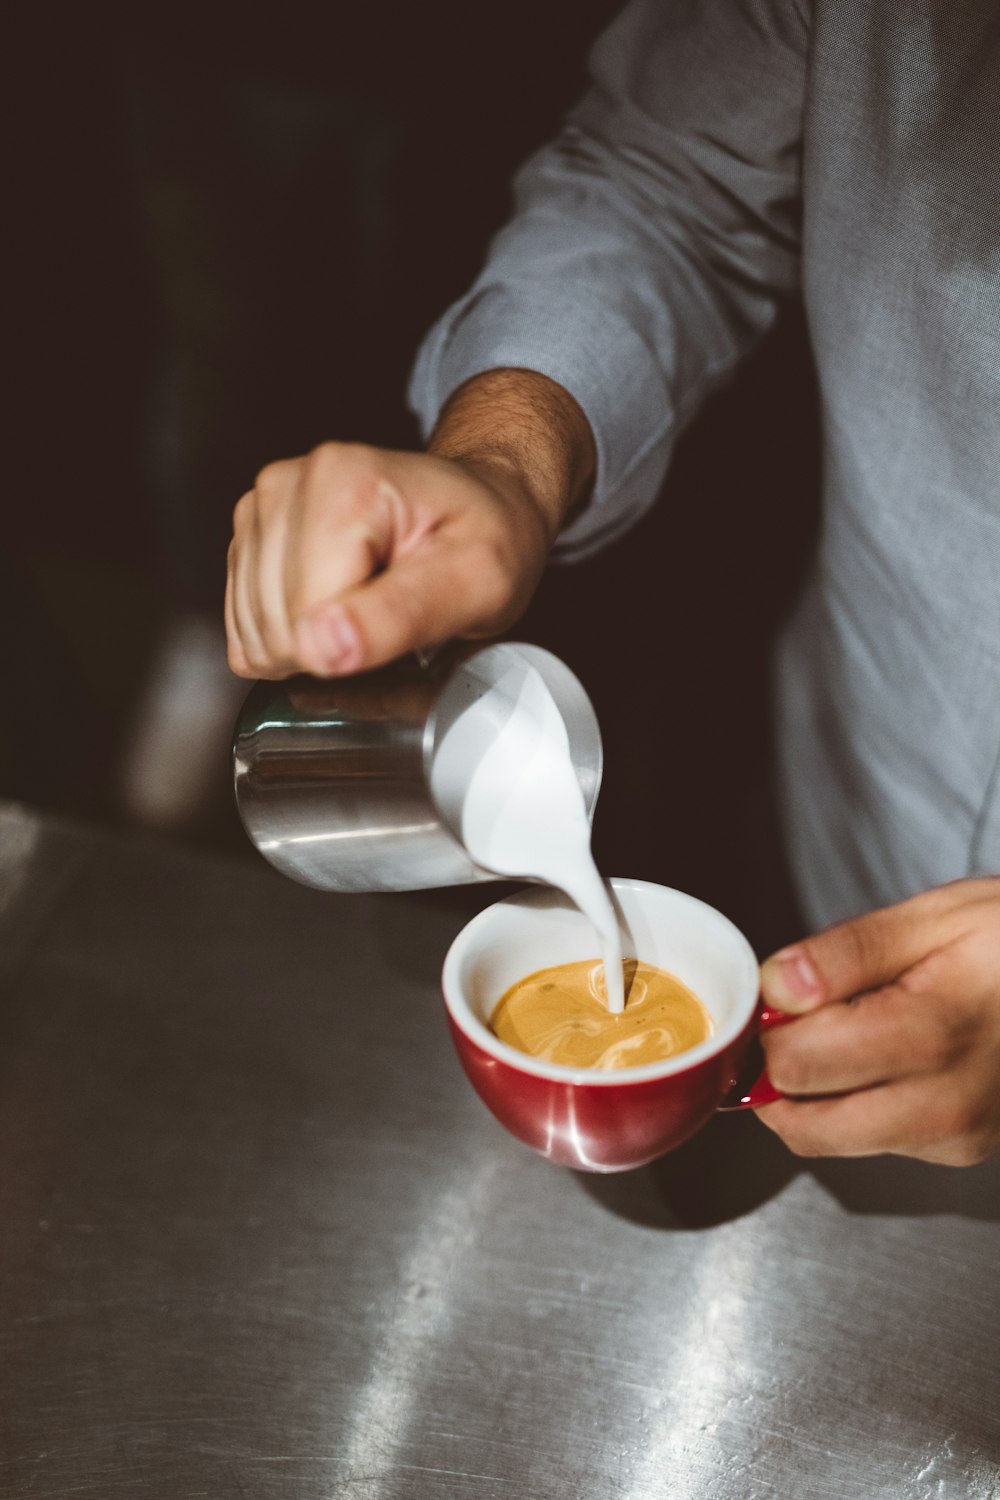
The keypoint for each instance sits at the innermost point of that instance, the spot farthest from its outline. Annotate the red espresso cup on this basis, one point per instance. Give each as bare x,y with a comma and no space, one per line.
579,1117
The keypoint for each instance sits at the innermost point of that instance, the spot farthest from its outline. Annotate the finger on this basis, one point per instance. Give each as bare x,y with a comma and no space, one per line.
326,637
419,601
887,1035
342,529
237,656
854,956
244,613
906,1119
267,589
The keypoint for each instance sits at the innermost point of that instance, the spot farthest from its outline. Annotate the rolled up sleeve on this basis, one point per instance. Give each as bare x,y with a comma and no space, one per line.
651,242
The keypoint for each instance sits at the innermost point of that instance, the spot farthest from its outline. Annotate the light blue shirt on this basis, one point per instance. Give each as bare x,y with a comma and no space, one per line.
730,154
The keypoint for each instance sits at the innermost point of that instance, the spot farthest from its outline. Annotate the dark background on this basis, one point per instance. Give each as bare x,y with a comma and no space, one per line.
230,232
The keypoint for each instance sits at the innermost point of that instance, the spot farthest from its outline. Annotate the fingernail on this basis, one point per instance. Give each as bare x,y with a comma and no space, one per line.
328,641
790,978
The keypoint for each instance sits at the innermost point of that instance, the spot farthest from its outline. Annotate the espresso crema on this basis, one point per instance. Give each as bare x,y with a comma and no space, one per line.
560,1015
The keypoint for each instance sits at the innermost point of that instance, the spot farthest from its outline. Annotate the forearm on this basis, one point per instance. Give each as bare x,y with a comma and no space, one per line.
651,242
522,427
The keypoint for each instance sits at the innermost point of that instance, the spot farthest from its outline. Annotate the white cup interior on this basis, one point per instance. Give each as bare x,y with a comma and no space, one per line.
539,928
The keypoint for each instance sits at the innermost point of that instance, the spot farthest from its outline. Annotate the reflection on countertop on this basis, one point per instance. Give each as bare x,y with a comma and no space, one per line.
259,1238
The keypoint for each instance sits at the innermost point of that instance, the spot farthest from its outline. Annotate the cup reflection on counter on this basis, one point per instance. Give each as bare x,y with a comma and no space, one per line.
582,1118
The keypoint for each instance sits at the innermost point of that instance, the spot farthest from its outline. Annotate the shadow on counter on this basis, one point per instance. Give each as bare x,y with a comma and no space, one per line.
735,1165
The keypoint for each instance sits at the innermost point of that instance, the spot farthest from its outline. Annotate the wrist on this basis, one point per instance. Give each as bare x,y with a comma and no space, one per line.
518,427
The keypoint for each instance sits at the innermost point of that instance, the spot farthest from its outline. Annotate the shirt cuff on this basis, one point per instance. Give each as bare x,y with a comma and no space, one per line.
599,358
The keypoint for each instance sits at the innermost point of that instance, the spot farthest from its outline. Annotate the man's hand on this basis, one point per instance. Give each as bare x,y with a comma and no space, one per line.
351,556
896,1045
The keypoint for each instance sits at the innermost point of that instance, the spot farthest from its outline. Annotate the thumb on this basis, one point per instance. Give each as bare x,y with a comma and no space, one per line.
419,600
849,959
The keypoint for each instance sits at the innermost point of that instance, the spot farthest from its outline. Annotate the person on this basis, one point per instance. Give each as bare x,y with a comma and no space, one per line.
731,154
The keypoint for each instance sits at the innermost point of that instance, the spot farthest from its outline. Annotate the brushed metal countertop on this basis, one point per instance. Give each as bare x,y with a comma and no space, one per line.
258,1239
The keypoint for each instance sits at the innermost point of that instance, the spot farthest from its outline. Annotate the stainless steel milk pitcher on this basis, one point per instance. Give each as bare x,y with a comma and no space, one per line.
333,778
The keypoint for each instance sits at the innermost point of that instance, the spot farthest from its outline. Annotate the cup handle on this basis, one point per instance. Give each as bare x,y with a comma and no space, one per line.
761,1090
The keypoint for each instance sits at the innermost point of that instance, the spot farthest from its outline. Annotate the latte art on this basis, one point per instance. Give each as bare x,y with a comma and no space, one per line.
560,1015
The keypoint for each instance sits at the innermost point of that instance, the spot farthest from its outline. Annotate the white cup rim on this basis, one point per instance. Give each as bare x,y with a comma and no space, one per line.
477,1032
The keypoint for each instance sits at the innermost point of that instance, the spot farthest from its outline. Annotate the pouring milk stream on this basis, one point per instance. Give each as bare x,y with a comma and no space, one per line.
503,775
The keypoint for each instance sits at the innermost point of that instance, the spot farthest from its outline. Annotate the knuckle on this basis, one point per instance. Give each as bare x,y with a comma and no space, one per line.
787,1068
348,476
955,1124
332,459
785,1119
275,647
972,1151
937,1049
490,563
242,511
251,666
970,1147
322,461
934,910
799,1141
255,659
270,478
326,452
333,451
237,660
942,900
863,942
787,1076
784,1072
